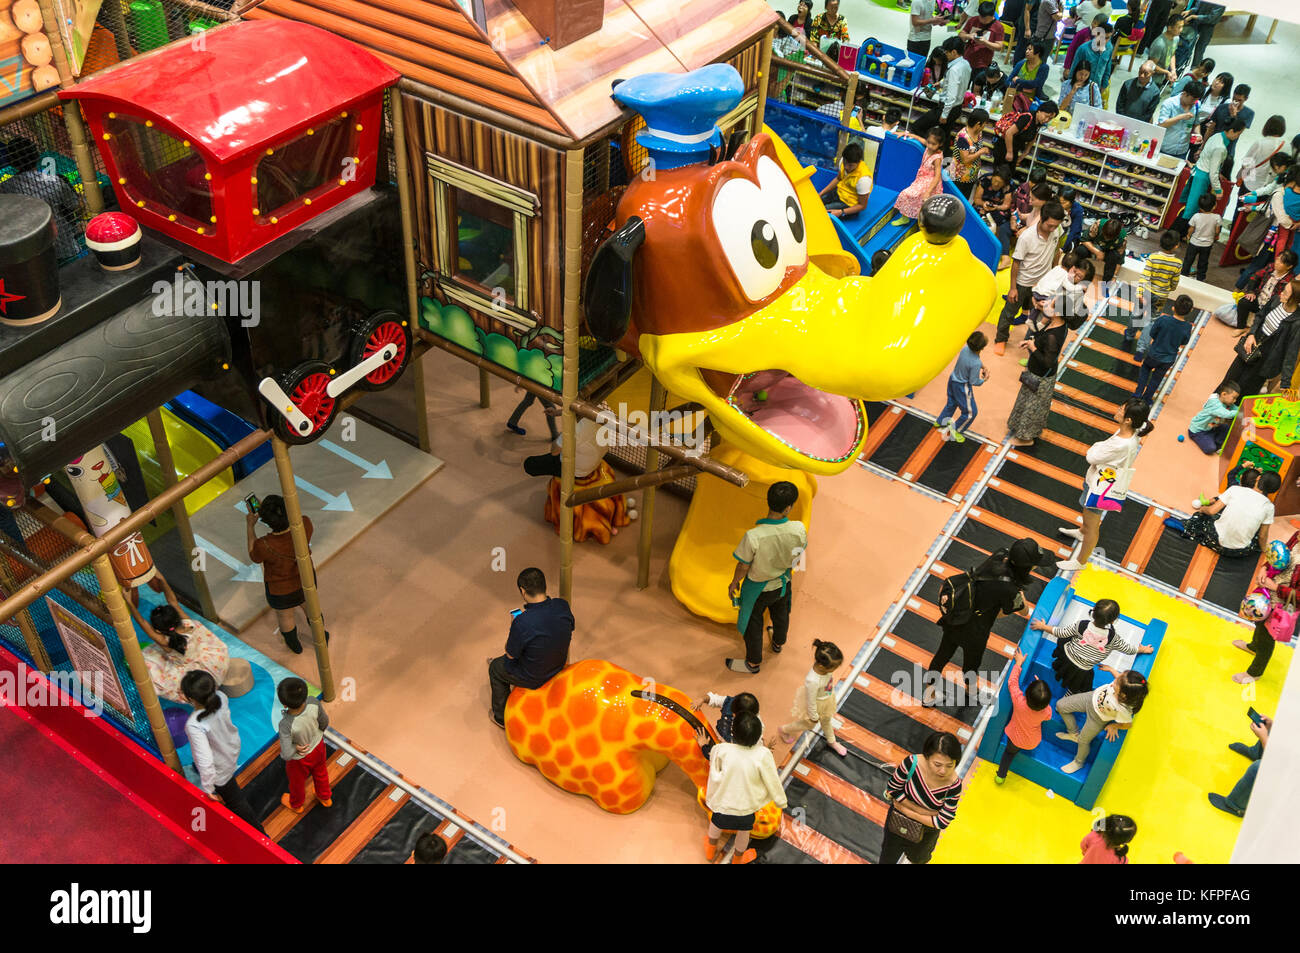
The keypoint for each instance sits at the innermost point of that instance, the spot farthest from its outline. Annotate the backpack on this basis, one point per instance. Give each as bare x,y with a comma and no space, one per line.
1002,125
957,598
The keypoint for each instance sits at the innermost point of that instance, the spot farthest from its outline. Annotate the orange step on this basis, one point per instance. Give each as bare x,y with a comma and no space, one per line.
815,845
1016,531
1065,443
1030,462
1097,374
1199,572
283,820
972,472
1068,515
1105,424
877,747
1145,540
1092,400
839,790
911,706
923,455
1109,351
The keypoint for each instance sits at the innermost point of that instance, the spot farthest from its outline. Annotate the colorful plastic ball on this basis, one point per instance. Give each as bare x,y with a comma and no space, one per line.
1256,606
1181,438
1279,556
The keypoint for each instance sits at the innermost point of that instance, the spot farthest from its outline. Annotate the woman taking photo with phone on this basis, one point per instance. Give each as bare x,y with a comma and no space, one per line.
279,564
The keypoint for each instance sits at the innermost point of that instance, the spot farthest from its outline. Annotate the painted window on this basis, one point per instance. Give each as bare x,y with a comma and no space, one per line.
484,244
167,174
305,168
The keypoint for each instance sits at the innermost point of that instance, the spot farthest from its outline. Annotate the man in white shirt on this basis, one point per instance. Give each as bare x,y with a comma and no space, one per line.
1237,522
923,20
1036,253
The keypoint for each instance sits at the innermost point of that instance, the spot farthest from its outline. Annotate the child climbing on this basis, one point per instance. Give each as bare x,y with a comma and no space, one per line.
1029,709
815,700
730,706
1111,707
1081,646
742,779
1209,428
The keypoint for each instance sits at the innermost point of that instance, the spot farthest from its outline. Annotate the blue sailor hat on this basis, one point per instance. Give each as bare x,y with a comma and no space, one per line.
681,111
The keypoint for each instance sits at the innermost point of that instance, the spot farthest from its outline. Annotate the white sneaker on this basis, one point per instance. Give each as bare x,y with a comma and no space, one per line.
1071,532
1069,565
1072,767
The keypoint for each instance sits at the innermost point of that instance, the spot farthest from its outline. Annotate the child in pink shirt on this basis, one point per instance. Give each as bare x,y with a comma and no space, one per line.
1107,843
1029,709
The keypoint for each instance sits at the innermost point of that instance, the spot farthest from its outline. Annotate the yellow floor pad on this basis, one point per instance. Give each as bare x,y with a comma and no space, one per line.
1177,752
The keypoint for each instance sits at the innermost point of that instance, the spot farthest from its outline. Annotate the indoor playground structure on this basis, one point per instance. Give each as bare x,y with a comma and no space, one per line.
1263,436
1059,604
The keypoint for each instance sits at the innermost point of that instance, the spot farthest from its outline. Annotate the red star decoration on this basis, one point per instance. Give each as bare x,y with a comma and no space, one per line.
6,297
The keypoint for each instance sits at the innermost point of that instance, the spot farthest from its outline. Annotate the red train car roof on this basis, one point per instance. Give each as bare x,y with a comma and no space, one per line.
247,85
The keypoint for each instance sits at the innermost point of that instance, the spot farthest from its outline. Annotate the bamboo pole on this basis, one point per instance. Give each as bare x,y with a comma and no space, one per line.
39,103
572,231
179,513
35,649
658,398
145,514
764,67
306,572
71,112
111,590
408,256
850,94
484,389
650,479
584,408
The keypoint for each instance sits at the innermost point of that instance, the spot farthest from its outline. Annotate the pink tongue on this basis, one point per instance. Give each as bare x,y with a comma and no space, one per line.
815,423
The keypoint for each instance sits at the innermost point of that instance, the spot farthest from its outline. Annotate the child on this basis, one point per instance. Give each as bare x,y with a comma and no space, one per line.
893,122
1158,282
929,177
214,743
1168,335
1108,841
969,372
1082,645
1108,243
815,700
742,778
1111,707
1029,709
1063,286
1209,428
729,707
993,200
429,849
989,83
1074,218
302,744
851,187
1204,230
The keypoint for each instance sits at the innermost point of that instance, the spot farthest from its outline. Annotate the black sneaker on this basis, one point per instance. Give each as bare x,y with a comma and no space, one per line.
500,723
291,640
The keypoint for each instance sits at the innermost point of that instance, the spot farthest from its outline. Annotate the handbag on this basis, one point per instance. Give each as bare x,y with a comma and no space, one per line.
1109,489
1032,381
1247,357
1281,621
899,824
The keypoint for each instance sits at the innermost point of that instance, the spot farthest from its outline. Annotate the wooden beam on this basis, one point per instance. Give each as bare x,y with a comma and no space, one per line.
651,479
645,533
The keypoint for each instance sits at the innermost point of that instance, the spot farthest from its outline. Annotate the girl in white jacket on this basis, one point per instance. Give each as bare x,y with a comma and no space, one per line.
742,779
1116,452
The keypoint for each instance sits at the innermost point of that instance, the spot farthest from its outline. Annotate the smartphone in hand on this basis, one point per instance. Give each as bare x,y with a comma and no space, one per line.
252,502
516,613
1254,716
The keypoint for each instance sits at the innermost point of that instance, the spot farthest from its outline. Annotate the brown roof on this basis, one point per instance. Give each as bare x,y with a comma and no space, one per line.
564,91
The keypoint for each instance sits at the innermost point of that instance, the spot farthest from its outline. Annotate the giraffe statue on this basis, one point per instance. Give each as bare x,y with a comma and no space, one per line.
597,729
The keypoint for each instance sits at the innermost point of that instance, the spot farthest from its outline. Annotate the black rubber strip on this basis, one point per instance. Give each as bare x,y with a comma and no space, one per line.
1005,505
1076,430
918,630
874,409
1057,456
1119,529
834,820
908,677
1040,483
1080,405
1173,555
857,768
773,850
962,556
1104,362
883,721
946,468
986,537
321,826
901,443
1107,336
263,792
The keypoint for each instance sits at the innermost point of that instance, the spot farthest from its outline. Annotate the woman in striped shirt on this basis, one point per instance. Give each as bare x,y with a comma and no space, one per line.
1277,336
1081,646
923,794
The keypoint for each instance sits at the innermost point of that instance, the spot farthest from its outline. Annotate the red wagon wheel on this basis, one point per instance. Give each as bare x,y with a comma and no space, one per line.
306,386
373,335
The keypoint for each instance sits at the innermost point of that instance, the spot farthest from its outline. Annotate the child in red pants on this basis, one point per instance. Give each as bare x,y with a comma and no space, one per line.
302,744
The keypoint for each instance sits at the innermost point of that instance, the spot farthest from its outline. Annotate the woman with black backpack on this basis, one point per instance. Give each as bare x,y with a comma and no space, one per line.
971,602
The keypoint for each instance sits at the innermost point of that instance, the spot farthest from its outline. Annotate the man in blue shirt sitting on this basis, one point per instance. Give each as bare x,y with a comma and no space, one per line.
538,645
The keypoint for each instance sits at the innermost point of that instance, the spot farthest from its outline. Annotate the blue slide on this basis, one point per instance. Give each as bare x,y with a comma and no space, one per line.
221,427
1059,604
814,139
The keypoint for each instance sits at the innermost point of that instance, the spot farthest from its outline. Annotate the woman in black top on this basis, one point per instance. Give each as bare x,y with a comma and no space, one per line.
1276,334
997,589
1034,402
802,18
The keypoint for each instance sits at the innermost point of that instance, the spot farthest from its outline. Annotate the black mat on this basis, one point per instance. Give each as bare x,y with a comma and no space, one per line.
1173,555
1090,385
322,826
1039,483
1106,336
1077,430
874,409
947,466
984,536
901,443
1232,579
773,850
1107,363
393,842
834,820
857,767
1018,511
1119,529
918,630
1057,456
888,723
